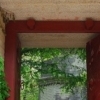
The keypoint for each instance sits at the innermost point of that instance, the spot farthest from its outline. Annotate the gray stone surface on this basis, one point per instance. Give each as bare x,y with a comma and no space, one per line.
54,92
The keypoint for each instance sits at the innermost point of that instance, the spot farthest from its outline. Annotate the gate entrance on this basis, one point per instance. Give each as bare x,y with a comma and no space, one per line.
13,45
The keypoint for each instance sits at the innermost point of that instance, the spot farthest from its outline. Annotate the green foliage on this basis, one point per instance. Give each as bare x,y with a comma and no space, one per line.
36,61
29,87
3,85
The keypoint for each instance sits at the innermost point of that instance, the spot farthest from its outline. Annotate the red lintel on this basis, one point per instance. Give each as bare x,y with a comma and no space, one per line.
55,26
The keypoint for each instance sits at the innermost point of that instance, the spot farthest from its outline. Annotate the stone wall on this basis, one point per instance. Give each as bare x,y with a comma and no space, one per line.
5,16
54,91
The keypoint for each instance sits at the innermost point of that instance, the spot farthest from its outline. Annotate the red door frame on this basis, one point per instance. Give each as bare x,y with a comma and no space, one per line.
31,26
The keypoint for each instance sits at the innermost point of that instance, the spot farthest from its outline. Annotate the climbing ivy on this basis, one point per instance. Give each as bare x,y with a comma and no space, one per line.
3,85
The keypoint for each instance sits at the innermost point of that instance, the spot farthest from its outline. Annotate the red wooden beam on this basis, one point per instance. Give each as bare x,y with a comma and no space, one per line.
12,66
10,62
31,26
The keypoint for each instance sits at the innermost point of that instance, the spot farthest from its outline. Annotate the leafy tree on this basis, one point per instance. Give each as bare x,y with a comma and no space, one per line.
35,61
3,85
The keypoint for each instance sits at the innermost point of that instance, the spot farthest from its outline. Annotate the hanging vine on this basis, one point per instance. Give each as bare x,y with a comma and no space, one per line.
36,61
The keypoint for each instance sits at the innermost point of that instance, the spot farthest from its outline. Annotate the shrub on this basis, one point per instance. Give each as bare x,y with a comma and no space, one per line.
3,85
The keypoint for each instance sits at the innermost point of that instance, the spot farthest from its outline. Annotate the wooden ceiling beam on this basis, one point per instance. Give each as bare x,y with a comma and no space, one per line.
32,26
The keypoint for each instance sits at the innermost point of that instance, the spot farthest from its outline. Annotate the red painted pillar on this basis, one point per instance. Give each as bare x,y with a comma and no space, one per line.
18,76
12,68
93,69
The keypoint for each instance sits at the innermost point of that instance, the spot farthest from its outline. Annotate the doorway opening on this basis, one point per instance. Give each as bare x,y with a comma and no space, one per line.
33,33
53,74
